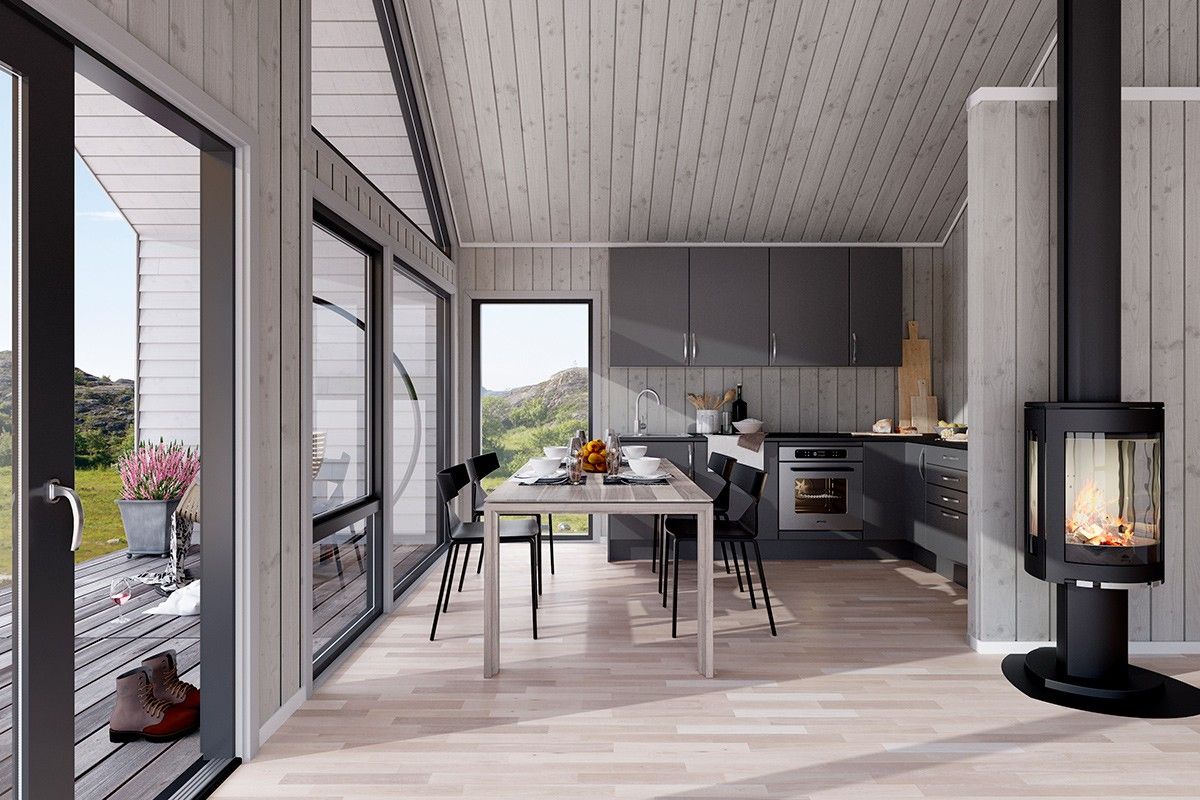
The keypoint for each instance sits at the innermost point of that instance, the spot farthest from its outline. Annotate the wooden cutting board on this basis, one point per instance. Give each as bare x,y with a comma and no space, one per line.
914,367
924,409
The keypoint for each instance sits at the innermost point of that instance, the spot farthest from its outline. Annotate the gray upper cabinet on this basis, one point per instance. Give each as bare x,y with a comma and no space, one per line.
648,306
727,297
876,327
810,312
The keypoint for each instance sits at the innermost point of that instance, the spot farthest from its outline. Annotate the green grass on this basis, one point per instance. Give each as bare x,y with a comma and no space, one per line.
102,530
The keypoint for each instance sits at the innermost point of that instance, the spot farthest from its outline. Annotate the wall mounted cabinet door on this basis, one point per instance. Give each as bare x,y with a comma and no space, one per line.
728,296
810,316
876,327
648,306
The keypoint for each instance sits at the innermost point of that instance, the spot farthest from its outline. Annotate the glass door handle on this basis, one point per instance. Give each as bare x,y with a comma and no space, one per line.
55,491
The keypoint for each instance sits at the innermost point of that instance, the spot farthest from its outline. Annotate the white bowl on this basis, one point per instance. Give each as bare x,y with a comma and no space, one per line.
633,451
749,426
644,466
544,467
556,452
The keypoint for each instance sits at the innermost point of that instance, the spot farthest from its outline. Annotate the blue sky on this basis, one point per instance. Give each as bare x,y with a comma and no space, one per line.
105,265
525,343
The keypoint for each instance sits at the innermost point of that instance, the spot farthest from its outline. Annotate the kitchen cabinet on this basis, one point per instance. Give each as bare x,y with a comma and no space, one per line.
648,306
809,308
876,324
939,505
885,502
727,297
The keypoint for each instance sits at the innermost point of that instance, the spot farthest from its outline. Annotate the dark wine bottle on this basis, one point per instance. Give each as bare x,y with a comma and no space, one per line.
737,409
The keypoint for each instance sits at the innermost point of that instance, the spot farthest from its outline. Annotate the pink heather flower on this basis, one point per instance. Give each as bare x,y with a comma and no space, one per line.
160,471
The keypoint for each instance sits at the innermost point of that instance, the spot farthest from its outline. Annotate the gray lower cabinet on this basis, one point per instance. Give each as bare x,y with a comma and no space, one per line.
630,536
648,306
810,288
941,524
728,298
876,324
885,500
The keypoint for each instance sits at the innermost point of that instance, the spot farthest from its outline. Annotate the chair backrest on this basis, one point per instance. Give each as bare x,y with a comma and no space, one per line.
721,465
479,467
450,482
752,482
318,452
189,505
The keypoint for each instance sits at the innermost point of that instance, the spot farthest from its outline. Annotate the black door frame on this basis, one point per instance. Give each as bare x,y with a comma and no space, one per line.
43,343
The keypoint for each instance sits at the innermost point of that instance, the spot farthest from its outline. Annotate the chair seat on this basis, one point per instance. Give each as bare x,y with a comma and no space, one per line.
519,529
723,529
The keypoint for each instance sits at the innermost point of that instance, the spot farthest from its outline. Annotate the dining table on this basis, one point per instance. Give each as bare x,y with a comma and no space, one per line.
678,496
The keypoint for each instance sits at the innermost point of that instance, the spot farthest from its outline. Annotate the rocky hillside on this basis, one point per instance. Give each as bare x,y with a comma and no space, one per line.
564,392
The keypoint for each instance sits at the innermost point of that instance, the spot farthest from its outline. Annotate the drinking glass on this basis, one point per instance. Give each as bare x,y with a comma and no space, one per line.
120,591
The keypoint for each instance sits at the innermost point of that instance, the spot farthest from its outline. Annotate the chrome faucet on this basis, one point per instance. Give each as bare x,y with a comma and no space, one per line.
637,408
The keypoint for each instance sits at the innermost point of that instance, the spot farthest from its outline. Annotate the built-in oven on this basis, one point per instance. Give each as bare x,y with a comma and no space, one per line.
821,489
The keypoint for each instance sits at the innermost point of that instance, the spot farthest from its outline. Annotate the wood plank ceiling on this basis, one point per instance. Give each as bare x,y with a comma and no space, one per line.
713,120
355,103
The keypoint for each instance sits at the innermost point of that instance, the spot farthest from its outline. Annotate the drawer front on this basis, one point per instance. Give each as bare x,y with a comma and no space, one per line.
945,478
949,521
951,499
948,457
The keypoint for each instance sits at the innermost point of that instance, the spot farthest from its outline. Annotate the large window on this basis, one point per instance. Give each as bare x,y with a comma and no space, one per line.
418,415
345,471
533,376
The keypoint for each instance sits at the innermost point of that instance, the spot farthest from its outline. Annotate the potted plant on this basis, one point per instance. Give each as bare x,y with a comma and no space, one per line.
153,480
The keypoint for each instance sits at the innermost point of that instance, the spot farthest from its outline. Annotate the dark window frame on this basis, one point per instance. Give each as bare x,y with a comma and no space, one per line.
370,507
444,421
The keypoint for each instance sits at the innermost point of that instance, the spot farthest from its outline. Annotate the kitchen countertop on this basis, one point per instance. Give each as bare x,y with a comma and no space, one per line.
928,438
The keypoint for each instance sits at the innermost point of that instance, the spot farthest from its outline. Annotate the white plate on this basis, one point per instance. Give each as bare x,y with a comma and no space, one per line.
633,476
531,474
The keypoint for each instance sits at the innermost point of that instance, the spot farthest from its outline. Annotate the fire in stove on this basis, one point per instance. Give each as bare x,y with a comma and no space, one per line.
1092,522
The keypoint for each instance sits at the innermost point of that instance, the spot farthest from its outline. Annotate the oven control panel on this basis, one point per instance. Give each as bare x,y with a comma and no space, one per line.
819,454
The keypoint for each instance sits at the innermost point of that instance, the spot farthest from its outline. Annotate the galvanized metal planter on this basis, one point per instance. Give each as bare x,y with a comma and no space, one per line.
147,525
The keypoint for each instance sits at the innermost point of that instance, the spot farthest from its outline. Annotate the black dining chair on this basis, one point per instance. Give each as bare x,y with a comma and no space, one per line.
735,533
479,467
721,465
521,530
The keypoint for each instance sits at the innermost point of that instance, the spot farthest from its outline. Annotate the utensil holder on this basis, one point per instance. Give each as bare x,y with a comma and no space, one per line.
708,421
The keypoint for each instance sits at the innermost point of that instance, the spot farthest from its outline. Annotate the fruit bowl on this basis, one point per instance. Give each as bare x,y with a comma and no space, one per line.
594,456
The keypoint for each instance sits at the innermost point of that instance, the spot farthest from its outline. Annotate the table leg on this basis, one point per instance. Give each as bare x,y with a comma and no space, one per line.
704,591
491,593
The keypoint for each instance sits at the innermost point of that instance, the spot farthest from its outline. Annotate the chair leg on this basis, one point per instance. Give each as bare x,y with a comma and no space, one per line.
466,560
550,535
479,566
533,581
337,561
437,609
538,544
725,557
450,587
675,594
736,568
654,545
762,581
749,580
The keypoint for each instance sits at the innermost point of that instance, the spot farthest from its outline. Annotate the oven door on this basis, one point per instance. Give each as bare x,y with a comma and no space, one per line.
815,496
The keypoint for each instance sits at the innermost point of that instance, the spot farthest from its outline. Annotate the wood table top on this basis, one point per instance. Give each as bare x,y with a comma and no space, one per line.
679,491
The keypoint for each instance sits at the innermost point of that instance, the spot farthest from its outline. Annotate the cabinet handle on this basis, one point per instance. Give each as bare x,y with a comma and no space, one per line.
948,515
948,479
693,347
685,349
853,348
949,500
921,464
774,350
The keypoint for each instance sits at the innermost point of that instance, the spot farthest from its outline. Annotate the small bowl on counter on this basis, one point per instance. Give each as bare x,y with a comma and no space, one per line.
556,452
632,451
644,466
748,425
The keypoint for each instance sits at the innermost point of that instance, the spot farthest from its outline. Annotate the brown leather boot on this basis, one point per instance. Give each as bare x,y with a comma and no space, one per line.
138,714
164,677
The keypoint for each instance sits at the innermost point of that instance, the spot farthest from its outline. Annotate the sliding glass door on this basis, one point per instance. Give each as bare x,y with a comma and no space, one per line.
116,325
419,412
346,463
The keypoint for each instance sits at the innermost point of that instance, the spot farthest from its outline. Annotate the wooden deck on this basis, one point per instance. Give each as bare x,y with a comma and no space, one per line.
103,650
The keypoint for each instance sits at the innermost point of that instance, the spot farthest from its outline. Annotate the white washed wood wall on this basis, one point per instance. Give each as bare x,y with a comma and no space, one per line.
787,399
1011,340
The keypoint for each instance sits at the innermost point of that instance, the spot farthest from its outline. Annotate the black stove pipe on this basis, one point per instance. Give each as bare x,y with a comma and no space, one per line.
1089,200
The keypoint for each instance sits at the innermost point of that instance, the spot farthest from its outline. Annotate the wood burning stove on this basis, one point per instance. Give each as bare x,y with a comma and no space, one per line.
1094,476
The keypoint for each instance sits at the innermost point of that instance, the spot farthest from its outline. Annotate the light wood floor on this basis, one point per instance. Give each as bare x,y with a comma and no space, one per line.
869,692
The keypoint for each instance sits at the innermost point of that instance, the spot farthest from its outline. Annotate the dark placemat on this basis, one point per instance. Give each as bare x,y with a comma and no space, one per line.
618,480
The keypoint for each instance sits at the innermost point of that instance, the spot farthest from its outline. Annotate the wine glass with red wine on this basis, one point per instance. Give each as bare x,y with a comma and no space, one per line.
120,590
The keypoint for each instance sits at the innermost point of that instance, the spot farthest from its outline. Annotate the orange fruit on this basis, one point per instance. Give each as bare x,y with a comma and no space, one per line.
595,458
